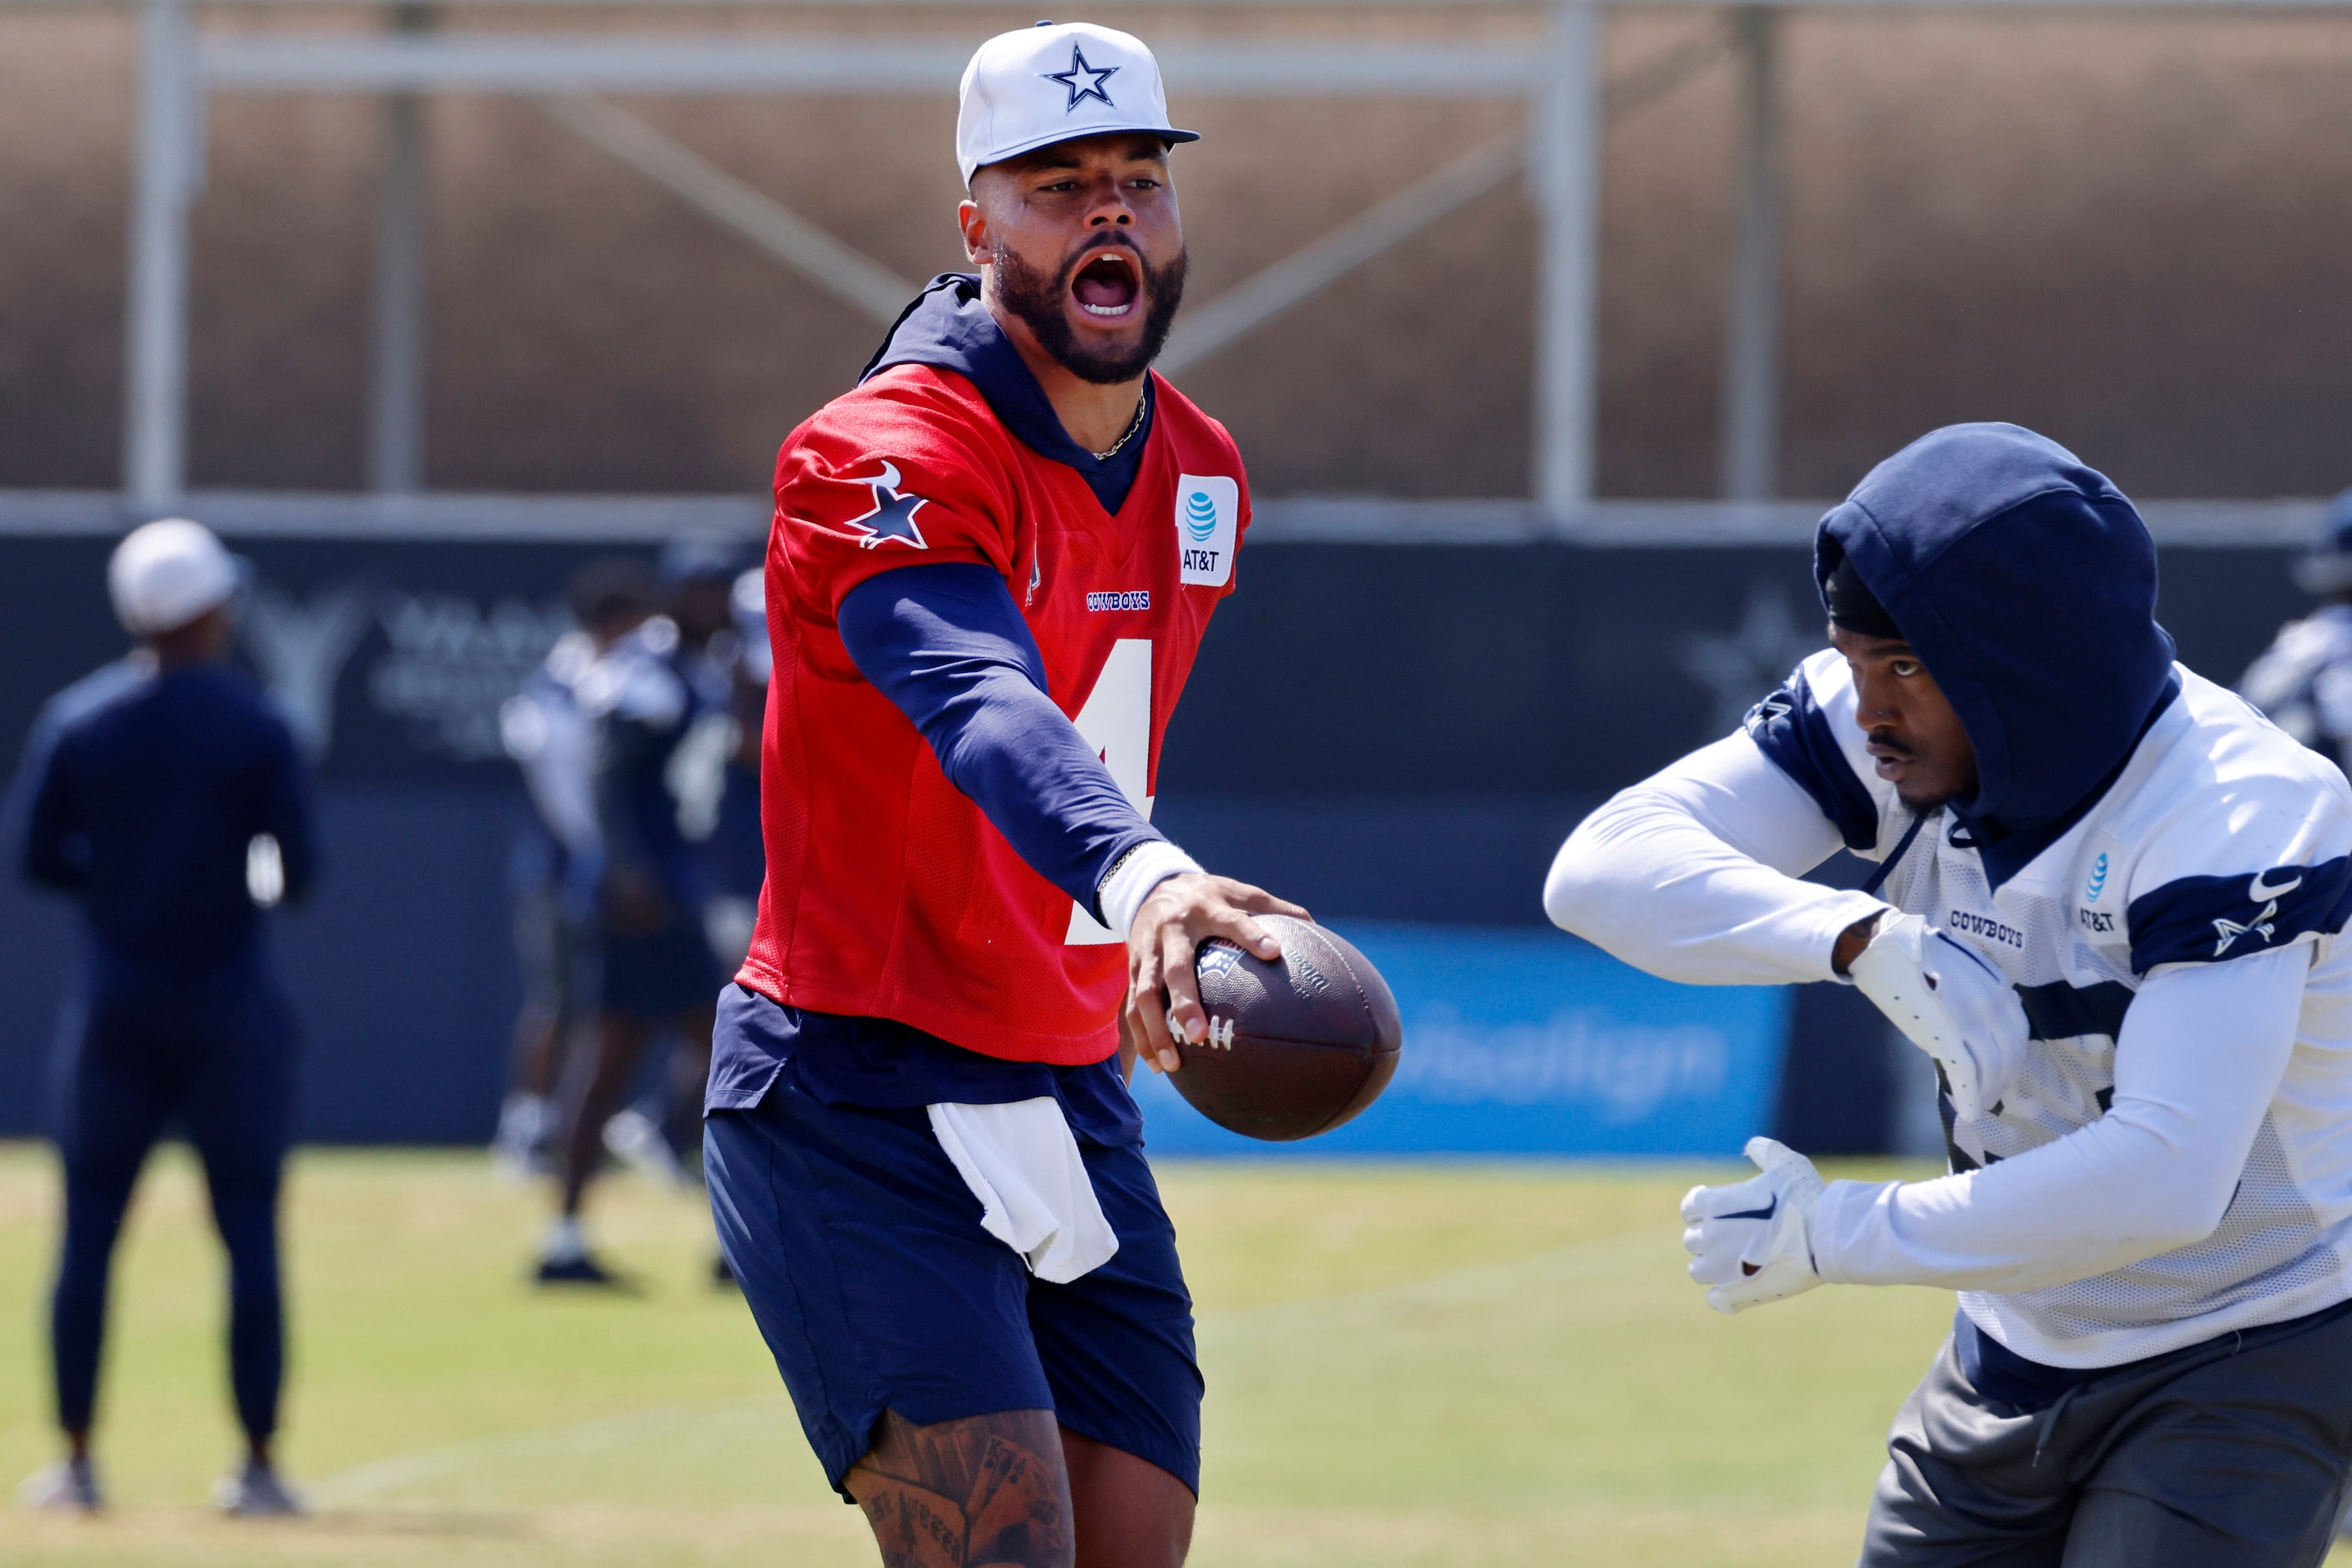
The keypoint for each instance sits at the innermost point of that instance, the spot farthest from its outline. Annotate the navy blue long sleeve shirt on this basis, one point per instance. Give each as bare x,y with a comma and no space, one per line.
141,794
948,646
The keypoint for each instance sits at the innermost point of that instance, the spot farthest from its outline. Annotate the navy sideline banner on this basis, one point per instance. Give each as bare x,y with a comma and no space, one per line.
1525,1042
1394,733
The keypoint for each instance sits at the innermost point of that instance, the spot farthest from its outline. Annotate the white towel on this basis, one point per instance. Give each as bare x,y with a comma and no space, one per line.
1023,1164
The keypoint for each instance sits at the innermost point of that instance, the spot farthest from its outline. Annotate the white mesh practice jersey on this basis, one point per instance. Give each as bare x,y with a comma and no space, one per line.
2222,837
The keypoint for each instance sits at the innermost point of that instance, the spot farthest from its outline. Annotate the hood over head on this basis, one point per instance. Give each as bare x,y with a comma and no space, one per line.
2026,584
948,327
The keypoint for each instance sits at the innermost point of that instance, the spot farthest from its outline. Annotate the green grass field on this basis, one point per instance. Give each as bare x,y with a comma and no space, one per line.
1423,1365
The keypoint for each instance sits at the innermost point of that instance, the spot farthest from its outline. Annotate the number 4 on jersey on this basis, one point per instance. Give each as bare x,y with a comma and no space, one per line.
1117,722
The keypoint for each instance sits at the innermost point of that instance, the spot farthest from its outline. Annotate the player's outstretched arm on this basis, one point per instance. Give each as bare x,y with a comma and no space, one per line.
1164,992
1693,875
946,644
2200,1056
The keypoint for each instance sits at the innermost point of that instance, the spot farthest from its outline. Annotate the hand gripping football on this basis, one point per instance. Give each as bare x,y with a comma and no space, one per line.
1296,1046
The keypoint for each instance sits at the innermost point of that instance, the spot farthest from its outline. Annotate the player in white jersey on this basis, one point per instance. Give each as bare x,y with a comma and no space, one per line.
2109,903
2304,680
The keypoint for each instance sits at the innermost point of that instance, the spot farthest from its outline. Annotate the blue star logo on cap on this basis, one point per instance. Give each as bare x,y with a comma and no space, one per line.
1093,79
893,516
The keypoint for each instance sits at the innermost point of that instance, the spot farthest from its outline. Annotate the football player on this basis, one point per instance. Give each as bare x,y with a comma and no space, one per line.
2304,680
2109,904
555,871
990,566
658,708
166,793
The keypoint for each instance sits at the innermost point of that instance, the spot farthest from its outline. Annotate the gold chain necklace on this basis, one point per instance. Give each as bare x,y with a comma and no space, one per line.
1140,404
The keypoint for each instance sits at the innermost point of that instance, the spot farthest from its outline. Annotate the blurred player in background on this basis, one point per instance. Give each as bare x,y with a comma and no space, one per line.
558,860
167,794
739,862
658,705
923,1159
2304,682
2113,905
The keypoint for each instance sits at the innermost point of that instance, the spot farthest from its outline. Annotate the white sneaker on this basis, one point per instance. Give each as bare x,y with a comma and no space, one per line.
255,1491
636,1140
69,1486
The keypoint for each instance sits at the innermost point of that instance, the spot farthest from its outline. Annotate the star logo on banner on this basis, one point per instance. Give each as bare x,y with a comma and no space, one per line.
893,516
1084,81
1753,659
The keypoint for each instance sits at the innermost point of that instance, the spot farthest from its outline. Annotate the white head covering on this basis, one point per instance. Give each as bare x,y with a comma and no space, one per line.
1052,83
165,574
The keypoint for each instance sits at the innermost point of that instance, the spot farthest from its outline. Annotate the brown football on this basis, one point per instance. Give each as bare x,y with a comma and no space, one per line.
1296,1046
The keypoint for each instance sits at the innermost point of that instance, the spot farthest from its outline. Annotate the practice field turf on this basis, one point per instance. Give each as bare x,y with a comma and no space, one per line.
1423,1365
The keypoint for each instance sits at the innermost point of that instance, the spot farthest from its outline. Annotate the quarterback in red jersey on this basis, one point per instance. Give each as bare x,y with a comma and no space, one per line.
990,569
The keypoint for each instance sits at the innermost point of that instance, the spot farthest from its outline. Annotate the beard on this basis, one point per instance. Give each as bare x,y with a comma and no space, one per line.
1037,300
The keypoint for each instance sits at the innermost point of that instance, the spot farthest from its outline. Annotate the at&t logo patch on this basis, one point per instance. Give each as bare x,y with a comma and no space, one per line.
1208,526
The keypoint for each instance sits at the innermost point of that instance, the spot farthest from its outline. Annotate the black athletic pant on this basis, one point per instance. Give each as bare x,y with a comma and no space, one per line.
215,1054
2229,1454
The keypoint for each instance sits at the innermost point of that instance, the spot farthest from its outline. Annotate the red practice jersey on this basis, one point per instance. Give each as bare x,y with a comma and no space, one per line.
889,893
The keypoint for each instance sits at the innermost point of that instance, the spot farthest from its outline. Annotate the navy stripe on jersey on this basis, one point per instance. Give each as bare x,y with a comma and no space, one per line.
945,642
1793,731
2060,1011
2204,920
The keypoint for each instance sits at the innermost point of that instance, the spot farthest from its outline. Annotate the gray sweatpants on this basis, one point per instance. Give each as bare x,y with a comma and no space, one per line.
2232,1453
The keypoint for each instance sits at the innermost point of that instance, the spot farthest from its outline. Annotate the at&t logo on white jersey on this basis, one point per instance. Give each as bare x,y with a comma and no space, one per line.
1208,528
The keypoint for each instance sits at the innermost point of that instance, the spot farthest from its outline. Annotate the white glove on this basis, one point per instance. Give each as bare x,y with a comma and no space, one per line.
1752,1241
1950,1004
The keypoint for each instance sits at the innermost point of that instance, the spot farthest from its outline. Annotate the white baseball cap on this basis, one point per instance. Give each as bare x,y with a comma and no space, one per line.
1054,82
165,574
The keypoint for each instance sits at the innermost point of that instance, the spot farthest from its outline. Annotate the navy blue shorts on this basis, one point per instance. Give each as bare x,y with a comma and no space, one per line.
860,1251
660,974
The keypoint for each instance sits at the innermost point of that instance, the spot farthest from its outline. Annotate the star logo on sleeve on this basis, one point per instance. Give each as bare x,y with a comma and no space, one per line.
1084,81
893,516
2227,933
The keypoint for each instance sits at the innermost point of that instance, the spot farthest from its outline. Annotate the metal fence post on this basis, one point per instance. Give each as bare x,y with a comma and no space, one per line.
1751,429
1566,174
168,154
396,449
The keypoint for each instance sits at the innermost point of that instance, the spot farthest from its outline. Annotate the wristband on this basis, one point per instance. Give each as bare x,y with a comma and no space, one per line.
1131,881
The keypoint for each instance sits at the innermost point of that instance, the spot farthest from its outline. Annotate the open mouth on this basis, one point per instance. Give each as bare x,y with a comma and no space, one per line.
1109,286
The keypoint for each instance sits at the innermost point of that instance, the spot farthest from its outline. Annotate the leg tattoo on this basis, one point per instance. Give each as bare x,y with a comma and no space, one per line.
985,1492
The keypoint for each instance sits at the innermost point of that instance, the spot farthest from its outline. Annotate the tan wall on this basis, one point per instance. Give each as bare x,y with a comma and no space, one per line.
2134,233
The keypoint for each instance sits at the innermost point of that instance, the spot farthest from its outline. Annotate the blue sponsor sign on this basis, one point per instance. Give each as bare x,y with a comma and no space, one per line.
1525,1042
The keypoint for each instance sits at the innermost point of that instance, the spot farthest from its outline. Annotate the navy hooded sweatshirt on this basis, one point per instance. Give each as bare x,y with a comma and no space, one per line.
2026,584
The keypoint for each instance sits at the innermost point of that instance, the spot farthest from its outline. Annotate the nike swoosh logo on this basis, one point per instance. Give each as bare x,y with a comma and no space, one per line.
2257,893
1766,1213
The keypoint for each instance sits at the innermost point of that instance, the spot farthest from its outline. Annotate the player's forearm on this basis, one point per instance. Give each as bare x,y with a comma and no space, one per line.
946,644
290,817
1004,744
1674,876
2200,1057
